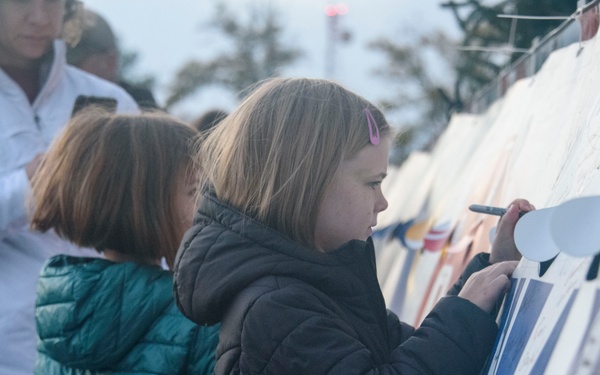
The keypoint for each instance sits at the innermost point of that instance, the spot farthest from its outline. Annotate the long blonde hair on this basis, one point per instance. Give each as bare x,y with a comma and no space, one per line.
274,157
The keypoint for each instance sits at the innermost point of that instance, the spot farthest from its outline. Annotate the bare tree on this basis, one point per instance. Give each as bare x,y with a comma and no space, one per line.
424,102
257,53
421,100
483,28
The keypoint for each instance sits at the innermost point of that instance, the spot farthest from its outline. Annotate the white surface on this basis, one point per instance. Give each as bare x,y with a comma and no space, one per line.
575,226
532,236
540,142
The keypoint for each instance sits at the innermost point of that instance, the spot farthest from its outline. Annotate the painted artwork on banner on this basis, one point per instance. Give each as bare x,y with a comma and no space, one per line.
454,257
536,314
409,297
550,124
407,249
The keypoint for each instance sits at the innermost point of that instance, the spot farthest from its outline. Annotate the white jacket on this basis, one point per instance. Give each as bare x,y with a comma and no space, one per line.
25,131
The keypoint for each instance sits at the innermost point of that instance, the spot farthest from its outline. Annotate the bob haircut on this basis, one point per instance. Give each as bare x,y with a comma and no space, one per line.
109,182
275,156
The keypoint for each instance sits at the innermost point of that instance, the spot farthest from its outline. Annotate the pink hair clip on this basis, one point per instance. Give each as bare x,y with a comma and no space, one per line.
373,135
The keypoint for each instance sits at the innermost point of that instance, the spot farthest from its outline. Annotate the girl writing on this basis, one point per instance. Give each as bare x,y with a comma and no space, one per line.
281,253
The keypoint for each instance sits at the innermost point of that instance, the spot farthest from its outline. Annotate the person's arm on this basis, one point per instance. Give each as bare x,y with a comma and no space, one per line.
397,330
503,250
299,334
14,188
478,263
503,247
456,337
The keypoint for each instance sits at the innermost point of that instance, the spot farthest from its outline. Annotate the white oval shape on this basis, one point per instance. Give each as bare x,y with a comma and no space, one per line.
575,226
532,236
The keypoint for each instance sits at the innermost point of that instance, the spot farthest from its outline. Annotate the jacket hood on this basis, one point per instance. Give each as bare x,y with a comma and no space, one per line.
90,312
226,251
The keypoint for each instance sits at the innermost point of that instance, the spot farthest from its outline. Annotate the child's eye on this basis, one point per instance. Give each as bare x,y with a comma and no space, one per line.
375,184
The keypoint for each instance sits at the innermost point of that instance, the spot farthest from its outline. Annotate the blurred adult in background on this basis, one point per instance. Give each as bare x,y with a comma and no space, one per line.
97,53
209,120
38,92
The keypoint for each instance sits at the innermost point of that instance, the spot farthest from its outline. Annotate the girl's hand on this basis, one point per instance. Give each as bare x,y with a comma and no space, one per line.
503,247
484,288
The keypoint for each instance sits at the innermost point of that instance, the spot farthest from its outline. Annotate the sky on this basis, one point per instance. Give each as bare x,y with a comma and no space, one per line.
168,33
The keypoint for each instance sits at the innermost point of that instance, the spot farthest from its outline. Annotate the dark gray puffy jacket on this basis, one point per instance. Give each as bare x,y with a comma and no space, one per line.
287,309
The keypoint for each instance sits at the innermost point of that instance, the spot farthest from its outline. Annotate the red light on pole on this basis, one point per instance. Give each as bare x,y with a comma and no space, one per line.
332,10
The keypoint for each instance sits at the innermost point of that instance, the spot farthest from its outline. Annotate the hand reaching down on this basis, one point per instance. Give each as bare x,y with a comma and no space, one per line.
486,287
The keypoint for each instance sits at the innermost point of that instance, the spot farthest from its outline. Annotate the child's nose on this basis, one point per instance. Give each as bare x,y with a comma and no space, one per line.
382,204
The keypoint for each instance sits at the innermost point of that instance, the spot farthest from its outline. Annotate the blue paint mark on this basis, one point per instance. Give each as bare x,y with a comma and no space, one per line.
595,308
509,307
544,357
527,315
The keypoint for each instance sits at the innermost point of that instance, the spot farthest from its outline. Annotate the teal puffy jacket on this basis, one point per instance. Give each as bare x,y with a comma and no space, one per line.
98,317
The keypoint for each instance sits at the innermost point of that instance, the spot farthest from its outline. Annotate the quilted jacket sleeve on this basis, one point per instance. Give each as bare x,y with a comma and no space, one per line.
302,336
479,262
399,331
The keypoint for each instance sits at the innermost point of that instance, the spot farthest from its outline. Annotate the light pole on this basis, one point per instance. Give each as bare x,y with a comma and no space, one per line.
332,12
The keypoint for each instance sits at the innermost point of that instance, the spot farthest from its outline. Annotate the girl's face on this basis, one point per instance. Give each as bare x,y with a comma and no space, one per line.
27,29
354,199
185,202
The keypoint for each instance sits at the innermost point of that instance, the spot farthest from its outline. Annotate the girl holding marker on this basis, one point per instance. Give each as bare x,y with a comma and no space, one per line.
281,253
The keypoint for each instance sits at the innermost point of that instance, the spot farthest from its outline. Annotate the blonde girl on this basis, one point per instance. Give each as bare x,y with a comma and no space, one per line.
281,252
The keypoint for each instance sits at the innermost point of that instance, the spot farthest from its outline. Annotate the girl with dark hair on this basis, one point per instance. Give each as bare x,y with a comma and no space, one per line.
123,185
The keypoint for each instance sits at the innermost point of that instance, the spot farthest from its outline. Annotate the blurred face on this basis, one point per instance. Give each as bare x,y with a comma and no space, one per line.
27,29
185,202
104,65
354,199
